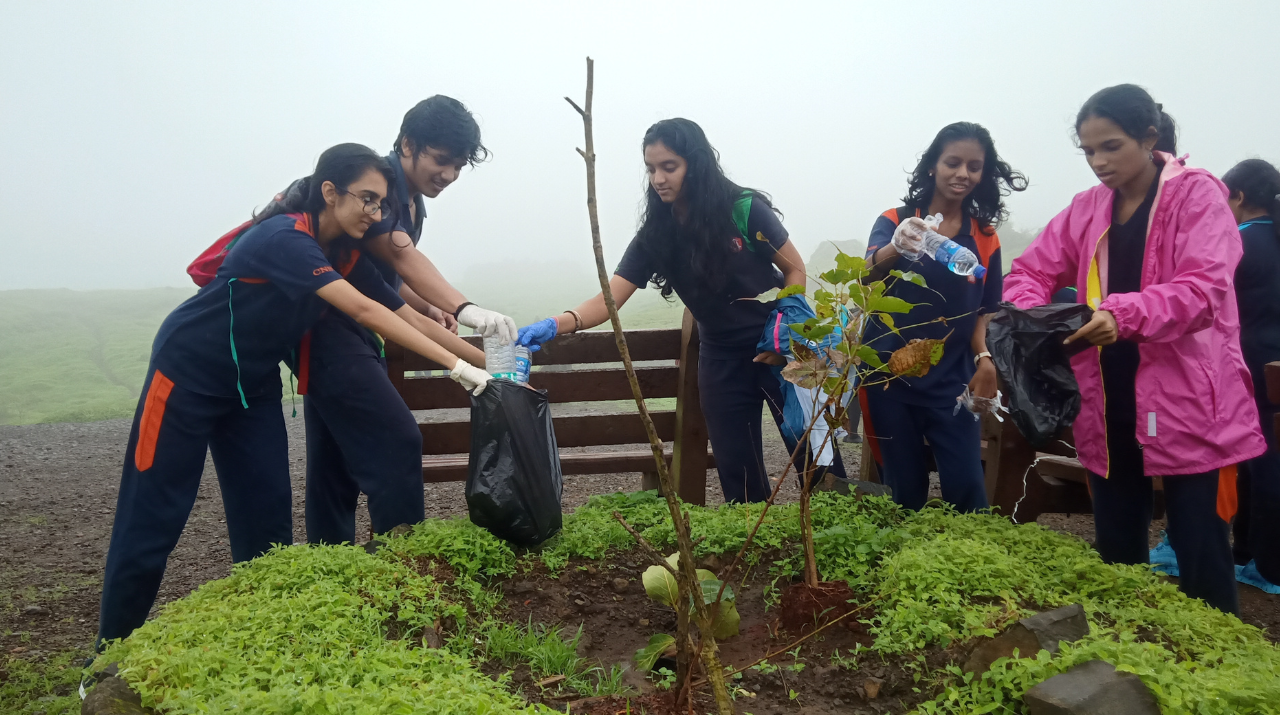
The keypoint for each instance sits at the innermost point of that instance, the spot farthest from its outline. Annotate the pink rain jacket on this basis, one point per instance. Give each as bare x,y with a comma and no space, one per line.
1196,410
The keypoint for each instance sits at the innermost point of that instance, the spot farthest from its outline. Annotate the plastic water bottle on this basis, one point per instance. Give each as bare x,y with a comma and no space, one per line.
500,358
955,256
523,363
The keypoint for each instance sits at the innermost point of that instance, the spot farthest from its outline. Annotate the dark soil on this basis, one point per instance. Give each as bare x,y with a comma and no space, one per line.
608,601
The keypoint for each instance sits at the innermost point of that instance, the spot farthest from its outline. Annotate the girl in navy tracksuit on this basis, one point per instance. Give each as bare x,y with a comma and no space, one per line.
1255,201
689,244
962,177
214,379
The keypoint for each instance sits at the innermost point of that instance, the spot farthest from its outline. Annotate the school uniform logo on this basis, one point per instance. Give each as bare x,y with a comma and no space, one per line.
737,244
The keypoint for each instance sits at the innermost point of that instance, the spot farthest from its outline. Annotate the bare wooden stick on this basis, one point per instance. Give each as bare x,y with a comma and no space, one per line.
687,576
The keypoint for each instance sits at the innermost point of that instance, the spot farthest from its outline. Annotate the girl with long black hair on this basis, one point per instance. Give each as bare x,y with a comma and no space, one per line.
214,381
1254,198
689,244
962,178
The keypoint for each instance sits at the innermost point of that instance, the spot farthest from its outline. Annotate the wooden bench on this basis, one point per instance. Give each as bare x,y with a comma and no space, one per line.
583,367
1049,481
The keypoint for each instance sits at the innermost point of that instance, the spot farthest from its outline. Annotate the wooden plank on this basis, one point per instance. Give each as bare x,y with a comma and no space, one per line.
1271,372
561,385
579,348
574,431
689,464
453,468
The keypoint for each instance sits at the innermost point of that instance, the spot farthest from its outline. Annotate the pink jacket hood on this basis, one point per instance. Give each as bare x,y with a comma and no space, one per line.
1196,410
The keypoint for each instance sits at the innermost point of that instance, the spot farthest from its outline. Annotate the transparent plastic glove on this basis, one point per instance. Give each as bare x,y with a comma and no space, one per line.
470,377
488,323
909,237
979,405
533,336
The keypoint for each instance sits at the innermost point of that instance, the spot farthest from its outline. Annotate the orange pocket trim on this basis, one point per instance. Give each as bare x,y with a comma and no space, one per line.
152,417
1228,503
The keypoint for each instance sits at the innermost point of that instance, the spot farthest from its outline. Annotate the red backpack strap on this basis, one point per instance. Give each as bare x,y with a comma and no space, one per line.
986,244
897,215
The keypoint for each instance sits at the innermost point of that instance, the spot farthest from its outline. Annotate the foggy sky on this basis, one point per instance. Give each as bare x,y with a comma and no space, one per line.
133,134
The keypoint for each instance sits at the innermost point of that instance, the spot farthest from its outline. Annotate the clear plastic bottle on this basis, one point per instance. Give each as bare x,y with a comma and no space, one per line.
523,363
500,358
955,256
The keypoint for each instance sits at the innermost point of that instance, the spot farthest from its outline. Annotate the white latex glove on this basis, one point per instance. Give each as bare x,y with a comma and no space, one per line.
909,238
470,377
488,322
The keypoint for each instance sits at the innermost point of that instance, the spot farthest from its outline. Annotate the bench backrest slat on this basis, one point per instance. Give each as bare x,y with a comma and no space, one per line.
562,386
596,346
446,438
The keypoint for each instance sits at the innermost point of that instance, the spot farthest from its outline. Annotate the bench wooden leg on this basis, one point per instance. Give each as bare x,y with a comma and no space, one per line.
689,460
649,480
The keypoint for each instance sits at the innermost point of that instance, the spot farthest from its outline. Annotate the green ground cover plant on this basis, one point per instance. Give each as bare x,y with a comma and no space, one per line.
333,629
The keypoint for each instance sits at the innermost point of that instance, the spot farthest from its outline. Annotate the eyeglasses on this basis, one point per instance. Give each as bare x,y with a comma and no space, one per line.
371,206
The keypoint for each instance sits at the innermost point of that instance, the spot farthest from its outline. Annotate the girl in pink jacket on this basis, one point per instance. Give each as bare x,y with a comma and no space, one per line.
1166,393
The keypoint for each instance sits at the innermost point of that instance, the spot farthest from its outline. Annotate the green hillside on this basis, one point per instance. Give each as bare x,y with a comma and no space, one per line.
72,356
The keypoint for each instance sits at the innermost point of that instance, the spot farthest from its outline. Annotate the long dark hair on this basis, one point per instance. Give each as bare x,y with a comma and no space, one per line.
702,240
1260,182
1135,111
985,203
341,165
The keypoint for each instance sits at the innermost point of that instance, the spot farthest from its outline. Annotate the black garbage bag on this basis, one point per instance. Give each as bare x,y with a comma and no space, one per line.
513,476
1026,345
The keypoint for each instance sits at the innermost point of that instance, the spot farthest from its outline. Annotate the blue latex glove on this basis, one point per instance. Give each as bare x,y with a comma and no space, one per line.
532,336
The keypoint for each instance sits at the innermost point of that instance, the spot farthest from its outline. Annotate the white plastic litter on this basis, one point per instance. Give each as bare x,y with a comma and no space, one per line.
977,405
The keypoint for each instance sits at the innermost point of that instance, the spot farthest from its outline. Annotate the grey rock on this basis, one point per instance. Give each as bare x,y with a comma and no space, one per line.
847,486
620,585
34,610
112,696
372,546
401,529
523,587
1053,626
1029,636
1092,688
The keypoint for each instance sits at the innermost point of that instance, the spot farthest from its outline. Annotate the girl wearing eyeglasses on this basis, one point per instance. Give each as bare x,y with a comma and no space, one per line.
214,380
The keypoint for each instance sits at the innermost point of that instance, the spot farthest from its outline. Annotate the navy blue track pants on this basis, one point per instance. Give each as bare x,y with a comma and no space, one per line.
1122,508
900,431
1257,525
731,392
361,438
172,430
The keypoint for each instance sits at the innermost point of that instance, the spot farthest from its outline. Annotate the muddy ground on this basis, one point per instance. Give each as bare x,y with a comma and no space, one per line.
58,487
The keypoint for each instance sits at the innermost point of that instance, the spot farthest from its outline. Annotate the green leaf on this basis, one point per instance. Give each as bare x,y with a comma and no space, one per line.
910,277
869,356
727,621
935,354
790,290
660,585
646,656
711,588
837,276
887,319
852,263
888,304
